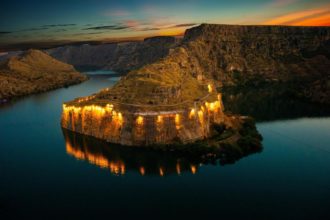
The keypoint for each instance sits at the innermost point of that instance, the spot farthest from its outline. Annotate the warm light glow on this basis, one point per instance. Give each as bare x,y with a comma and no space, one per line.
116,167
120,116
213,106
142,171
193,169
192,113
178,169
109,107
139,120
177,118
209,88
201,116
177,121
311,17
171,32
161,171
159,119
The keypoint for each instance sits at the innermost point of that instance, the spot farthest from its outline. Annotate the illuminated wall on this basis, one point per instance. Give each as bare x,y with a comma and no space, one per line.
143,128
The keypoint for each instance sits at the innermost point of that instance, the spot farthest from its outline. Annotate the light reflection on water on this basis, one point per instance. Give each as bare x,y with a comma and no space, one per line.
119,159
289,179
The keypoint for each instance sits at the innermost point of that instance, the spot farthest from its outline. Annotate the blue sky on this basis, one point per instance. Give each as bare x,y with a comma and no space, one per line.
106,20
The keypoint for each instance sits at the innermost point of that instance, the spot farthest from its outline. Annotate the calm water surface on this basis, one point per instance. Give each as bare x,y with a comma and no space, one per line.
45,173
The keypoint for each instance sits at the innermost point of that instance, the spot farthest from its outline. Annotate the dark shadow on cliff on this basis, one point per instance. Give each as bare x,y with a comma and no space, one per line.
151,161
269,102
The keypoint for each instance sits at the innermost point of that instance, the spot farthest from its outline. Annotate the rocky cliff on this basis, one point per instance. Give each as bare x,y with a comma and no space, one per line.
250,55
120,57
34,72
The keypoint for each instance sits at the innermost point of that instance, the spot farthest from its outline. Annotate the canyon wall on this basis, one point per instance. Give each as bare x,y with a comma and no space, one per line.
119,57
248,55
273,52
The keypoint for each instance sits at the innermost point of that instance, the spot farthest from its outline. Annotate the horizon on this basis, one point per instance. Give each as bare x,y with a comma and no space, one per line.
40,24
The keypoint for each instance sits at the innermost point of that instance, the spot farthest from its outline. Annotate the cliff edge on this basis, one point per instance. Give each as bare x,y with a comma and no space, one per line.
33,72
237,55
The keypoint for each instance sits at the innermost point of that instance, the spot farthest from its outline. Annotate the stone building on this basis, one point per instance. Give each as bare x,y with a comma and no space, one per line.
147,109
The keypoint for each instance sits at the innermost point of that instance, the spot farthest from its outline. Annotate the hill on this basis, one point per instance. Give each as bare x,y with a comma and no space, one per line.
34,71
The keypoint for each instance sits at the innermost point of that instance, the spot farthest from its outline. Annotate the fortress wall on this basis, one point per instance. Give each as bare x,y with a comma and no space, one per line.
129,128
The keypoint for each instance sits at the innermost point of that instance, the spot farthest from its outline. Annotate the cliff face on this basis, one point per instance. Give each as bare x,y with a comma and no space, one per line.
238,55
120,57
274,52
33,72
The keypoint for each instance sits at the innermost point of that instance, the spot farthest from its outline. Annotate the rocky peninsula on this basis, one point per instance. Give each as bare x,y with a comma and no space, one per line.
33,72
231,55
162,107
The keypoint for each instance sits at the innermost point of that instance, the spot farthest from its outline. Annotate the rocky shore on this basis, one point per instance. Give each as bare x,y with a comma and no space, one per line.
35,72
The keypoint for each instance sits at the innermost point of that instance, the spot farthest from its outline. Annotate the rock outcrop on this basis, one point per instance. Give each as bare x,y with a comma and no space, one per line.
119,57
278,53
34,72
241,55
146,108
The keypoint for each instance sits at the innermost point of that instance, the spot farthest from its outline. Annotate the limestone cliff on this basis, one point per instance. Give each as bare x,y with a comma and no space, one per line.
239,55
34,72
120,57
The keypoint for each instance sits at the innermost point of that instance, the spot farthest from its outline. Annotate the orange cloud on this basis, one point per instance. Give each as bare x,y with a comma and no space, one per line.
132,23
322,20
314,17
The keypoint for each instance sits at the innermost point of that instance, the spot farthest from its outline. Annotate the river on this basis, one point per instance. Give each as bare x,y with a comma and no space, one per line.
45,176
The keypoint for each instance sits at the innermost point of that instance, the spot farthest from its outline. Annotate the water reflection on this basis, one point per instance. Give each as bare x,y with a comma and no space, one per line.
269,103
120,159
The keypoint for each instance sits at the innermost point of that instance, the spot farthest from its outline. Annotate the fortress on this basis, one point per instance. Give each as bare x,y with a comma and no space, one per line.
148,109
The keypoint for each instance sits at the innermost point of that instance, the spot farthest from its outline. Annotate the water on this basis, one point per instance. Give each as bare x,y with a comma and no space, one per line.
42,177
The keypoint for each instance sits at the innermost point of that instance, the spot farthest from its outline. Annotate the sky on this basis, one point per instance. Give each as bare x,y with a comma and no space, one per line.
67,21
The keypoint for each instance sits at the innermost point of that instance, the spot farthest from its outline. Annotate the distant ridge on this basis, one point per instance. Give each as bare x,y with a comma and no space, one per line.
35,71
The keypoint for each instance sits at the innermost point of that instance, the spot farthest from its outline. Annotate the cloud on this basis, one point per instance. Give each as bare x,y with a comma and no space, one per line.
320,20
35,29
150,29
58,25
91,33
108,27
132,23
301,18
185,25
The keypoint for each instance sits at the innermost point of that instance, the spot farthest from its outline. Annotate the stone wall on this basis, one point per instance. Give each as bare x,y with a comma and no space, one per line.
144,128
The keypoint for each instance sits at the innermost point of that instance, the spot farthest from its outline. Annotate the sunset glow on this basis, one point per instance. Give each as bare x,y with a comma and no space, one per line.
315,17
46,24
